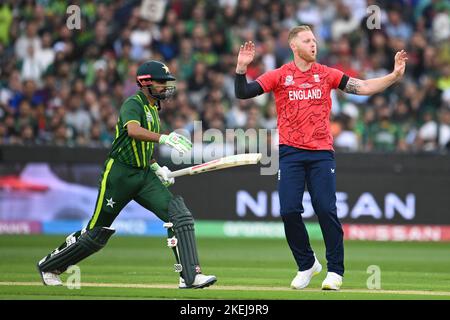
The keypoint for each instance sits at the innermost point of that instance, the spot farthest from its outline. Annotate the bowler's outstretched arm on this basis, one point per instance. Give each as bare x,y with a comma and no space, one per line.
372,86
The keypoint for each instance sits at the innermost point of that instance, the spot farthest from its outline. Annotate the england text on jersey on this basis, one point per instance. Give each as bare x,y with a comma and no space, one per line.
305,94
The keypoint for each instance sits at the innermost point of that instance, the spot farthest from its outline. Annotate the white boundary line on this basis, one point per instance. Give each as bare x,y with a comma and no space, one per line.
238,288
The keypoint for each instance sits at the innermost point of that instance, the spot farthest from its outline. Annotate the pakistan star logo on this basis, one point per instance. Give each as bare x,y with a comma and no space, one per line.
110,202
166,68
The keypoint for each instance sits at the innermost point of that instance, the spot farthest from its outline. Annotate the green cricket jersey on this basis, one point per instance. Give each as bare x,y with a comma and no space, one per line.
131,151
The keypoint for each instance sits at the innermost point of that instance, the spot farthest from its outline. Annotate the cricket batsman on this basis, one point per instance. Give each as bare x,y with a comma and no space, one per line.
130,173
302,97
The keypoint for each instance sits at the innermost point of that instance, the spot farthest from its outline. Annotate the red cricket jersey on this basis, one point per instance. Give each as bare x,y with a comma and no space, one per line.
303,104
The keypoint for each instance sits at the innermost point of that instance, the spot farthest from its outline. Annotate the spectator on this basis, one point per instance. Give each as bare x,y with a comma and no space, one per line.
6,17
444,129
141,39
185,60
95,136
109,130
3,134
237,117
77,117
308,13
267,53
282,50
435,135
61,136
29,39
270,117
384,134
46,55
441,23
403,117
396,28
347,139
289,16
32,68
443,83
427,135
25,116
197,84
432,98
205,53
344,23
28,92
27,137
166,45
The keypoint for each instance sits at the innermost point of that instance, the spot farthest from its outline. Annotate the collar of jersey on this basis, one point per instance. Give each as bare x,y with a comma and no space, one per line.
144,100
312,69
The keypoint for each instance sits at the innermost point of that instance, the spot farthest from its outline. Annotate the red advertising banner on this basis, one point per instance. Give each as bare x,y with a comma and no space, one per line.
397,232
20,227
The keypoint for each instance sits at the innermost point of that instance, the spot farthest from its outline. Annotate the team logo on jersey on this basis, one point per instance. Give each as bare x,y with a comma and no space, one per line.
289,81
110,202
149,116
316,78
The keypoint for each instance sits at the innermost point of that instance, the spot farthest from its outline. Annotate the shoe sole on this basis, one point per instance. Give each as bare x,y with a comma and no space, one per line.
201,286
330,288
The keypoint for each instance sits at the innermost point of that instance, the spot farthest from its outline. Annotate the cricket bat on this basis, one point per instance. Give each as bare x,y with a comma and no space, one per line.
218,164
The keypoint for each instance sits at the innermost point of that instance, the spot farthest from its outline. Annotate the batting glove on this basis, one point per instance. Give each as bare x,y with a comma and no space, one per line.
163,174
176,141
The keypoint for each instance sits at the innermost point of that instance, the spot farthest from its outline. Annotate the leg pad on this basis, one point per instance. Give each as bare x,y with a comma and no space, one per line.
79,245
183,227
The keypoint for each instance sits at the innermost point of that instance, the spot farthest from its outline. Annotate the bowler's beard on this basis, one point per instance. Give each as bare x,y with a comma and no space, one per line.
305,56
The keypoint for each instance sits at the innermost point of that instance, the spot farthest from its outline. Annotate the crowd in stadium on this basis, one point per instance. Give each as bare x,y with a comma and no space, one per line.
64,87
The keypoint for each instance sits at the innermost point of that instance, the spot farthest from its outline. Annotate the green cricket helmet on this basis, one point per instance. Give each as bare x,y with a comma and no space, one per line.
155,71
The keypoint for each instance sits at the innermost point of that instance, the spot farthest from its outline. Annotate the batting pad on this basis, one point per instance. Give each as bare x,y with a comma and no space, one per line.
77,249
183,226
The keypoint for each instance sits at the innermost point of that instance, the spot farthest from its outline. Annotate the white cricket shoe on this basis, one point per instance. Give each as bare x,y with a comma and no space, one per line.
50,279
201,281
303,278
333,281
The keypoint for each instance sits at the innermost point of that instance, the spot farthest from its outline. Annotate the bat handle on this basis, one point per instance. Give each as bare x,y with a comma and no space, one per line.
179,173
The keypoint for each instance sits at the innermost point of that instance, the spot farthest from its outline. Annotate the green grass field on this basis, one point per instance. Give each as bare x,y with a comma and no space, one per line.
142,268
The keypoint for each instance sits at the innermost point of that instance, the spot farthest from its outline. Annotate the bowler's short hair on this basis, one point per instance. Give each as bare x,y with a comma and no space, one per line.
295,30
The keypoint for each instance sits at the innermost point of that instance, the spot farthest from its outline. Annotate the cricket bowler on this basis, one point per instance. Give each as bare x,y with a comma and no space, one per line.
130,173
302,97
